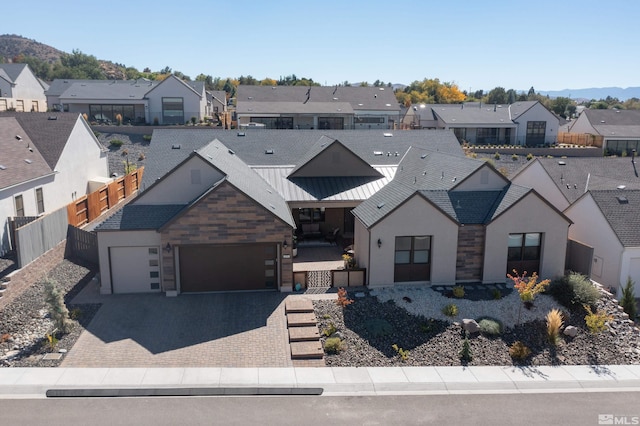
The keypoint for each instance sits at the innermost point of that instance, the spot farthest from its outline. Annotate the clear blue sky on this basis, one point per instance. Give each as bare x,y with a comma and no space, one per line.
550,45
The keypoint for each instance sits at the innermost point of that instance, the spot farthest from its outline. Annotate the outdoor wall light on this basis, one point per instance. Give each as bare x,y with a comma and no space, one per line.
284,243
167,248
379,243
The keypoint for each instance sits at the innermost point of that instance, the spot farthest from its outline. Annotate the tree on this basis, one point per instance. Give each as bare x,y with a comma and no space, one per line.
497,96
57,308
511,96
166,70
531,92
560,104
77,65
268,82
628,301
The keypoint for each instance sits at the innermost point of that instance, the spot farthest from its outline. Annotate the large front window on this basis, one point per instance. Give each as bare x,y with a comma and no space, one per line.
412,258
172,111
330,123
274,122
524,252
535,132
112,114
486,136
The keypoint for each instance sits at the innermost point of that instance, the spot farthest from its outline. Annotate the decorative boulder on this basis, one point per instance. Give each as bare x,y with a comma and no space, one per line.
470,325
570,331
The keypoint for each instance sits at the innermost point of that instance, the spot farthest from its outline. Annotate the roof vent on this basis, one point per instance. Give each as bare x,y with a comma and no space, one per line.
562,163
231,152
622,199
272,206
52,117
378,153
27,161
602,121
176,146
423,156
268,151
241,133
388,135
621,186
19,137
2,167
381,205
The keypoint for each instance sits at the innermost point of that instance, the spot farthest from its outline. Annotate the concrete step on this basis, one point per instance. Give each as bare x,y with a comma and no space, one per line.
293,305
314,362
304,334
302,319
306,350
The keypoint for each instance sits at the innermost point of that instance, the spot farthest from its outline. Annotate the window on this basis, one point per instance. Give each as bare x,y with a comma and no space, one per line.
330,123
172,111
39,200
412,258
274,122
19,206
20,105
535,132
524,252
311,215
486,136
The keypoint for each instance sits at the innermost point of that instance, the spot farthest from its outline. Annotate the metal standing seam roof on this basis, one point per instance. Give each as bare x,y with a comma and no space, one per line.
620,209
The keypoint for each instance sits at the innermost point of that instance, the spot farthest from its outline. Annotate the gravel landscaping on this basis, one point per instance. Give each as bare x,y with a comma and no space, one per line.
134,148
25,321
411,319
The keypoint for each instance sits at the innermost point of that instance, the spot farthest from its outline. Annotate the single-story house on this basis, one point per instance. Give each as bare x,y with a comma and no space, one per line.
218,211
521,123
608,221
20,89
317,107
597,194
47,160
617,131
170,101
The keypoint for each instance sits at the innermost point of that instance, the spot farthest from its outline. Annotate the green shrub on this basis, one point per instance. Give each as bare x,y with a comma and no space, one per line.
496,293
458,291
451,310
490,326
146,137
573,290
465,353
519,350
514,157
496,155
628,301
57,308
116,142
333,345
329,330
529,156
596,321
404,355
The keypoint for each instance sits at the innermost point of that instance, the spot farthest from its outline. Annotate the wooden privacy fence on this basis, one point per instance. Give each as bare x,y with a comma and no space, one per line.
90,206
82,244
583,139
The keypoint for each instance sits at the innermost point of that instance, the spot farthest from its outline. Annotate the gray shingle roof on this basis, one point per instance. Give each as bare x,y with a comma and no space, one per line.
14,153
49,135
249,107
13,70
484,114
289,146
382,203
623,217
577,175
240,175
140,217
108,89
614,123
360,98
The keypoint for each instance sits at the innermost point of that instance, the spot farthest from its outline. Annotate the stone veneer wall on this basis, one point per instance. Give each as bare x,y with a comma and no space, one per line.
470,253
226,216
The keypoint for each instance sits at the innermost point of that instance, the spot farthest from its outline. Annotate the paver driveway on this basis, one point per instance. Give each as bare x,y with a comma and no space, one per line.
191,330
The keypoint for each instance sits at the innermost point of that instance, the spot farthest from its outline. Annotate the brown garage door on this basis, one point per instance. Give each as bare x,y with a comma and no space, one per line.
236,267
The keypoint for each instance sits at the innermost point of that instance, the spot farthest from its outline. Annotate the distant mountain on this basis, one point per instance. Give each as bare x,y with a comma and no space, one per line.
12,45
595,93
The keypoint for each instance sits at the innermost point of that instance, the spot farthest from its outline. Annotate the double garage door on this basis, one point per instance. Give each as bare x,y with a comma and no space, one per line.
227,268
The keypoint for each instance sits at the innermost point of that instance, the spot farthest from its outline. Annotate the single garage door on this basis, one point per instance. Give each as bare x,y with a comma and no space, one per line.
231,267
135,269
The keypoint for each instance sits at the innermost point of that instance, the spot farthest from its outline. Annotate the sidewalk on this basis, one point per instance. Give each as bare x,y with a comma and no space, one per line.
34,382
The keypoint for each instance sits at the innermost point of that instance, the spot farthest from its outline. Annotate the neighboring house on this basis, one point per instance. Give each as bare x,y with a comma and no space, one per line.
170,101
317,107
586,189
608,221
617,131
20,89
521,123
46,161
218,210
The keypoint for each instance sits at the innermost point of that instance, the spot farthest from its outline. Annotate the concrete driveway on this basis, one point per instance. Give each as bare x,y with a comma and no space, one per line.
191,330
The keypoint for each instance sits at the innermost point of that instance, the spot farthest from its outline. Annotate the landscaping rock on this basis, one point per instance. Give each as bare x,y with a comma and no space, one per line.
571,331
470,326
